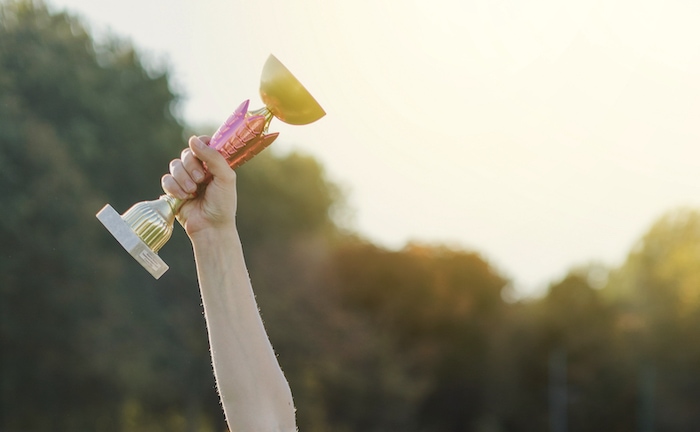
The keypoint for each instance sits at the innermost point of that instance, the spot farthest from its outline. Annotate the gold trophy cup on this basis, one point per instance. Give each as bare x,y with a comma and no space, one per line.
145,227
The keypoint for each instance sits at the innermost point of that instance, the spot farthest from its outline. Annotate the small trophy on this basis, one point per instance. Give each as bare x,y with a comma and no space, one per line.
144,228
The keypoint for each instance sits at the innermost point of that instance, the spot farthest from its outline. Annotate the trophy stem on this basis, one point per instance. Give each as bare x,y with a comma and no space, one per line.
175,203
265,112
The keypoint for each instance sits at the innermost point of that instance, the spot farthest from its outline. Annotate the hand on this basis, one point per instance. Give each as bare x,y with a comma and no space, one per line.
210,192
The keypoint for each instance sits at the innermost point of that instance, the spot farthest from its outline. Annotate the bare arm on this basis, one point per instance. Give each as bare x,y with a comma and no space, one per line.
254,392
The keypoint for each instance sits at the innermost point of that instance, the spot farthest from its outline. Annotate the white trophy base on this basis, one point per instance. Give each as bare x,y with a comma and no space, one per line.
131,242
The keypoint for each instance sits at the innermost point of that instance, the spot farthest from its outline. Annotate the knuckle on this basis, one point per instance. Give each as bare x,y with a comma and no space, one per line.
229,176
186,152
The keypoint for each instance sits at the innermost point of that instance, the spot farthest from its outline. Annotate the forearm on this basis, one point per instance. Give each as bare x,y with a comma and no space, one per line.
254,392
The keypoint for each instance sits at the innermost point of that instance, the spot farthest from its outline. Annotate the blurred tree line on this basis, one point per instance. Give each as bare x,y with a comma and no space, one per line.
418,339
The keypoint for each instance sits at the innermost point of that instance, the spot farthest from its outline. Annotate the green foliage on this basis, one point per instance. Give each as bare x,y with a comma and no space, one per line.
662,270
55,140
442,306
285,196
576,321
423,292
83,330
659,288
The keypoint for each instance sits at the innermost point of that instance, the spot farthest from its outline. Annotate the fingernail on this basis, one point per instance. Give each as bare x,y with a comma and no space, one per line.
190,186
197,175
199,143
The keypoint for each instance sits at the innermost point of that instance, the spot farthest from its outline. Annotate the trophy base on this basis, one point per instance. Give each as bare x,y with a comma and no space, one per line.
131,242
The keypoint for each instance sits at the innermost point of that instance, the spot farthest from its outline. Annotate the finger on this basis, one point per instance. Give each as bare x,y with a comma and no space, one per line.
182,177
192,165
216,164
172,188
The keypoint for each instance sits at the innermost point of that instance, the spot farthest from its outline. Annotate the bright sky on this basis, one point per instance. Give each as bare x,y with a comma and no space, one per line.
543,134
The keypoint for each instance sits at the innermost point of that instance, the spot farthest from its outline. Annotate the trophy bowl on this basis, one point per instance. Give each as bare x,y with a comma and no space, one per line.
285,97
146,226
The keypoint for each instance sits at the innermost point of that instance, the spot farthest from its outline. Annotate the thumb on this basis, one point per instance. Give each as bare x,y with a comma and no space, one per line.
216,164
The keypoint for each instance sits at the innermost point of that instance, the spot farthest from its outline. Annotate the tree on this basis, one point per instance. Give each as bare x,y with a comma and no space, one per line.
444,307
580,326
82,331
658,288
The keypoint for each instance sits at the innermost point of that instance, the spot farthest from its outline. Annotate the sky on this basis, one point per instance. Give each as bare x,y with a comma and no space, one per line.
539,133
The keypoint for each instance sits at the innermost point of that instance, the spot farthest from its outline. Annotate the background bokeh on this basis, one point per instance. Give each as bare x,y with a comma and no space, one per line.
490,124
429,336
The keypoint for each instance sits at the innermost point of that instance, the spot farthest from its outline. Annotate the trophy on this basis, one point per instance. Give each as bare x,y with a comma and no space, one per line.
145,227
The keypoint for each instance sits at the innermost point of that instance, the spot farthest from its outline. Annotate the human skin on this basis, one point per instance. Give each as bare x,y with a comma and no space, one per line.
254,392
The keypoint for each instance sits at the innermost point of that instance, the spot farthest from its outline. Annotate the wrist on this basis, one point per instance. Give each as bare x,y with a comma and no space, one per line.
218,254
212,236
